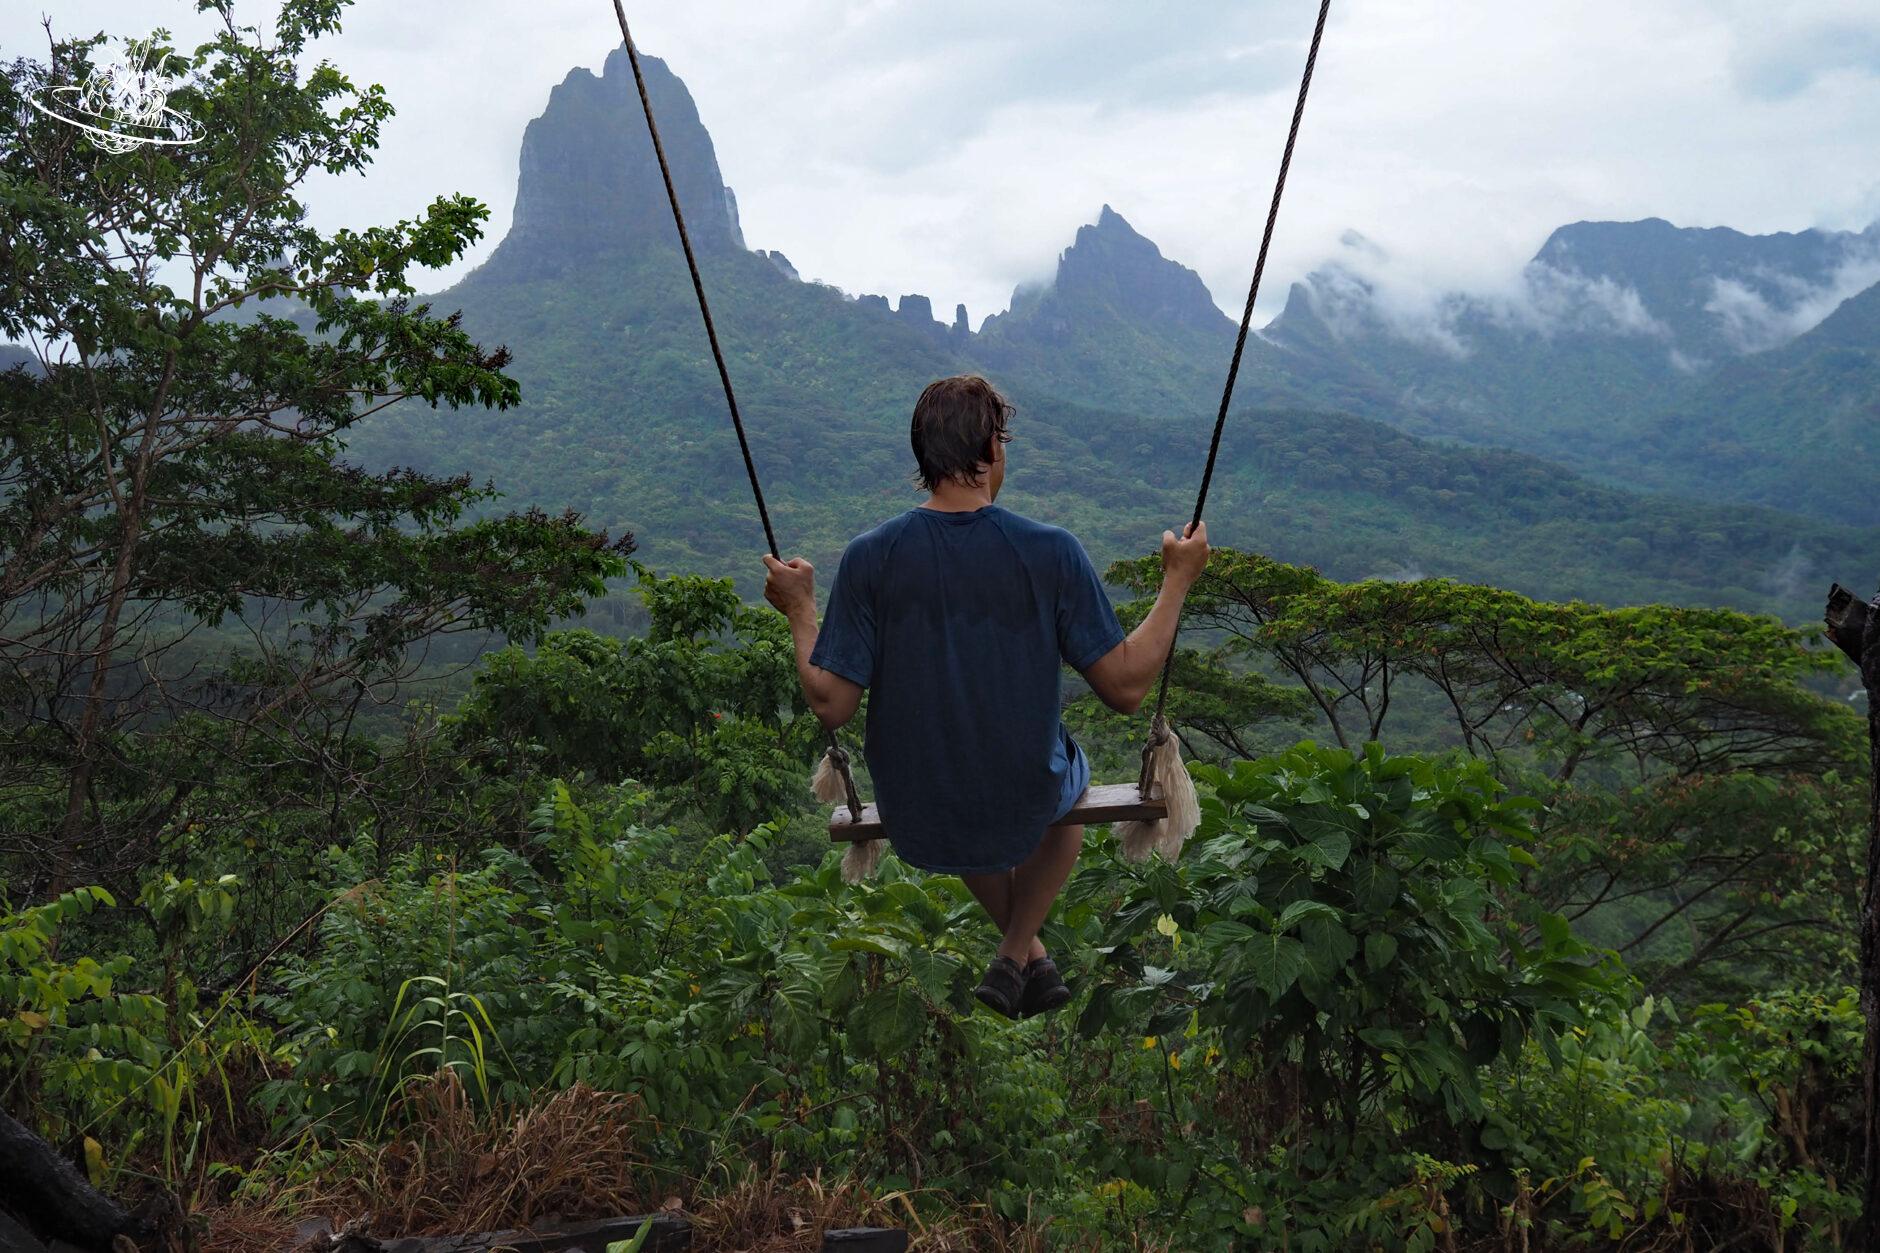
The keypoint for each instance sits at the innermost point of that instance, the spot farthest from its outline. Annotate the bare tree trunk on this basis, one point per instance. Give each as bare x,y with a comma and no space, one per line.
53,1198
71,831
130,510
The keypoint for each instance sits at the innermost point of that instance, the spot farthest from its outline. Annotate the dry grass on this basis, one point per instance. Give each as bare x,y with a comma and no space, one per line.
573,1156
453,1169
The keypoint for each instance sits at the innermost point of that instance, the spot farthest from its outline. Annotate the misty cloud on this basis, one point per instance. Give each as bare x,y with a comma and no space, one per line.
1554,300
1365,290
1753,322
1790,577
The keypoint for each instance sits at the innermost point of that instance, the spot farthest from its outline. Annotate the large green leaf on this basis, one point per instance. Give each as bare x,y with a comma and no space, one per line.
889,1021
1327,845
1275,962
1329,947
1299,911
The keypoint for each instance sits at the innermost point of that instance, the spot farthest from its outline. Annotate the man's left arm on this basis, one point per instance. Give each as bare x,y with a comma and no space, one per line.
791,587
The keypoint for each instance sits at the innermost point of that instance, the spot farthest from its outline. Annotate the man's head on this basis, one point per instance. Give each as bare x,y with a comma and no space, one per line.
959,434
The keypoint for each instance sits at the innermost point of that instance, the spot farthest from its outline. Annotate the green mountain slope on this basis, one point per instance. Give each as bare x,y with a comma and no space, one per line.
1797,427
1118,320
1115,366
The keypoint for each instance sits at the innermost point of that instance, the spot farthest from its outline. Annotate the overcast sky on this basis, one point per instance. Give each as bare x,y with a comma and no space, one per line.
952,147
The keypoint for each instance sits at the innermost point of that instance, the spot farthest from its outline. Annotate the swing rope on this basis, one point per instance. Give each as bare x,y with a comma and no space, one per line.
1160,723
836,754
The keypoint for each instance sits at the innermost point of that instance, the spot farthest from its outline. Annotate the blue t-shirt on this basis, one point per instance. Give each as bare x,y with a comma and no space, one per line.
956,623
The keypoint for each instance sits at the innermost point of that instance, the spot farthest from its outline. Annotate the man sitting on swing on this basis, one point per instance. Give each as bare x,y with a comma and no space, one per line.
956,616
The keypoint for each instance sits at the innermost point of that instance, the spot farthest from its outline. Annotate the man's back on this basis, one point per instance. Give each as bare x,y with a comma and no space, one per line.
957,623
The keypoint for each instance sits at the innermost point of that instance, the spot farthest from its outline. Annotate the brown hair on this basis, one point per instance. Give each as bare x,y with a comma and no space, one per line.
955,423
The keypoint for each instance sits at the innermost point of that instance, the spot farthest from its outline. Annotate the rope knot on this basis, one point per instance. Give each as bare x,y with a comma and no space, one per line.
837,758
1159,734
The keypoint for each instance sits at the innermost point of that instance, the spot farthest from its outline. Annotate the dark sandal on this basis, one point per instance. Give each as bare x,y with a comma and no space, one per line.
1045,989
1003,987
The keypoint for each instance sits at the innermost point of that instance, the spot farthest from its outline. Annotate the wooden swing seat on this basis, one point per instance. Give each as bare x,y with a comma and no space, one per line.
1101,803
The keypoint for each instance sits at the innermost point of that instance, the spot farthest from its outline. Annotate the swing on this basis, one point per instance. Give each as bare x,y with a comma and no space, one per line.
1158,811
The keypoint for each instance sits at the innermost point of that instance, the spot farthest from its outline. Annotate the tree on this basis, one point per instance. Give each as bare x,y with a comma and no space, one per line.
706,705
183,548
1698,789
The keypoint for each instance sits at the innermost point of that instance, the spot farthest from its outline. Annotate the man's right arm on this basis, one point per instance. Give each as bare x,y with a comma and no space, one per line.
791,587
1122,677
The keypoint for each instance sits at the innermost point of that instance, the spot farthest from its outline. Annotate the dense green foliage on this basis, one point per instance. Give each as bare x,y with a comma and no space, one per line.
1336,1021
705,705
1700,795
1366,1007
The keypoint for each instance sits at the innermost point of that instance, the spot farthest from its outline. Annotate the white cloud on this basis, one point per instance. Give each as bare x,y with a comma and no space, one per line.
1753,321
903,145
1559,300
1367,288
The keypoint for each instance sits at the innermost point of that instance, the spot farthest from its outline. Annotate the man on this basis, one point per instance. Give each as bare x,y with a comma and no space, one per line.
956,616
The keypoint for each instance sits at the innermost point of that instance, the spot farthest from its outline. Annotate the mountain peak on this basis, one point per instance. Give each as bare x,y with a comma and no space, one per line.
589,181
1113,266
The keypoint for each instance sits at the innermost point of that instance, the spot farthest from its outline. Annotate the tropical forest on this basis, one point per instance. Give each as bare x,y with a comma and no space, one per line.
407,836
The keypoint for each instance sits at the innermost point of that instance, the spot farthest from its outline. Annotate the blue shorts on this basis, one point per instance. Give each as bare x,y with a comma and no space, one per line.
1076,780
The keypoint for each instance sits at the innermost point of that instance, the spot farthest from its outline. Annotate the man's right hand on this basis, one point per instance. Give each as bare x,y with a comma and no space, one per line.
1183,559
790,586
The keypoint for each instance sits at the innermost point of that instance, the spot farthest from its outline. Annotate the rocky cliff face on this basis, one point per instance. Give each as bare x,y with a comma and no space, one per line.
589,183
1112,272
1118,320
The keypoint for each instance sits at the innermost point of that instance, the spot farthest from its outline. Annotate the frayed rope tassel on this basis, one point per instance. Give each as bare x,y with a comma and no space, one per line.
827,781
862,860
1167,777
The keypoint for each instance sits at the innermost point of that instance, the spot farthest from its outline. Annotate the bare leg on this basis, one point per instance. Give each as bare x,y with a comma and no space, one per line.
1035,885
994,894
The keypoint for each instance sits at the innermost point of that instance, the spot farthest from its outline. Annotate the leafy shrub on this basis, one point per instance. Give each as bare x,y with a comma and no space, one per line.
89,1059
705,705
807,1025
1343,927
1781,1079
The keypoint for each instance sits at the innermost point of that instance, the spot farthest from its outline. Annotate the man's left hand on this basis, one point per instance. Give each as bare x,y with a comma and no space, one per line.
790,585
